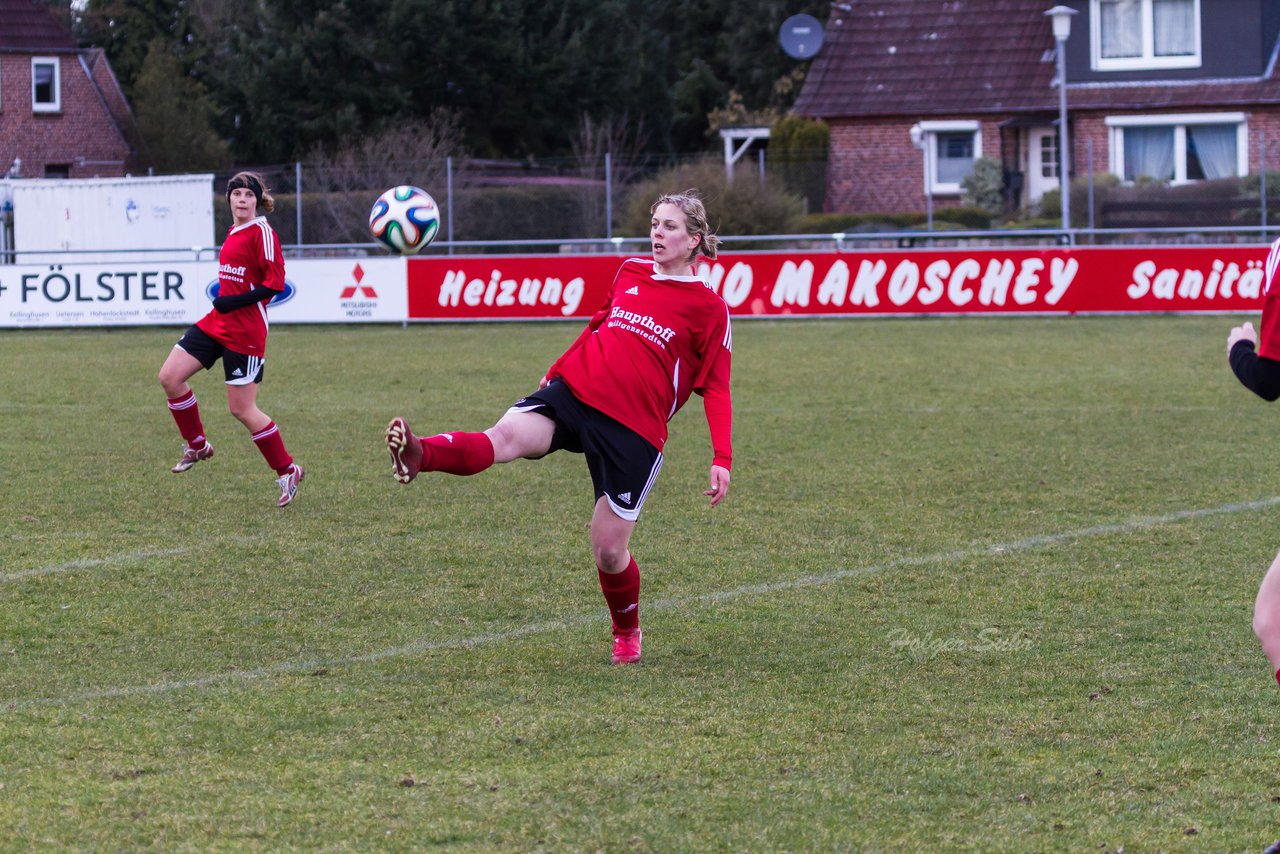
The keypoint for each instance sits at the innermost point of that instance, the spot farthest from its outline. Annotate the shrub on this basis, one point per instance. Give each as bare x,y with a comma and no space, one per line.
1251,184
984,188
944,219
748,205
849,223
1050,205
798,153
1220,202
968,216
522,213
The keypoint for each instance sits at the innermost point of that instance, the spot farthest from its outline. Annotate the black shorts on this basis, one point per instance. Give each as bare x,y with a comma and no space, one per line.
623,465
239,369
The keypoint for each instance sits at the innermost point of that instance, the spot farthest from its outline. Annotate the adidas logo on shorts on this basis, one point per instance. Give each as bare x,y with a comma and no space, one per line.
237,373
624,497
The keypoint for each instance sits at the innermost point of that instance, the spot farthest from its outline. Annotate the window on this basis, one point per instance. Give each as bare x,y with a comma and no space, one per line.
1141,34
1179,149
1049,156
46,85
950,149
57,170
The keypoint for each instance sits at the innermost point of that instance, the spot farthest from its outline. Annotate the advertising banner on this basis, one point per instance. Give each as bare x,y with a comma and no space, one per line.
906,282
342,290
952,281
139,294
180,293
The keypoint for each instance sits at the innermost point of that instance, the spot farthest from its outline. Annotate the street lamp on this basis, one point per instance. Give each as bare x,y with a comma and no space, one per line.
1061,17
920,140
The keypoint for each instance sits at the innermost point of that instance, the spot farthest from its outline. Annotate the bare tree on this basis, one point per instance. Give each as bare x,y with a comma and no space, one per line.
622,139
343,182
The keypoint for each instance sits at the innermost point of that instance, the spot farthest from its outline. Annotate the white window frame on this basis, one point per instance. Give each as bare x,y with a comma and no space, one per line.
47,107
931,131
1148,60
1179,121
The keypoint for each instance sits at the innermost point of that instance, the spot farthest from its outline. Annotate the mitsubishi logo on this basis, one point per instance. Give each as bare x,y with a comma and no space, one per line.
358,289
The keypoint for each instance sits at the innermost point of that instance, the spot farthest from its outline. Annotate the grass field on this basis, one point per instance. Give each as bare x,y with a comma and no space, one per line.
978,585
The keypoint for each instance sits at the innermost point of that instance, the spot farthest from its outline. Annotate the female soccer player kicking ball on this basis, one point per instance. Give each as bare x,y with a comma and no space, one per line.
661,335
250,273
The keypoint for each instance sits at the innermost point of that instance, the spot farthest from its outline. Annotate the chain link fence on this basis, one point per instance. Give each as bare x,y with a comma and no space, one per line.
538,199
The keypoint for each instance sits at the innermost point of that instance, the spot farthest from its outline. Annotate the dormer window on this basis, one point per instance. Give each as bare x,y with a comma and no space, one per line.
46,85
1135,35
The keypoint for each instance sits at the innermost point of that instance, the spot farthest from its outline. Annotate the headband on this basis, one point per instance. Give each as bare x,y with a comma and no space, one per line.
247,181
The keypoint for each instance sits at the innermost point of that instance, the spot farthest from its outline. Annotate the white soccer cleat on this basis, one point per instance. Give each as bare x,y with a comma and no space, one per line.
288,484
191,456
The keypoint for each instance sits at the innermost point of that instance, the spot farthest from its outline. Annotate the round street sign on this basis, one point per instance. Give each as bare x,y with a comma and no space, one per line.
801,36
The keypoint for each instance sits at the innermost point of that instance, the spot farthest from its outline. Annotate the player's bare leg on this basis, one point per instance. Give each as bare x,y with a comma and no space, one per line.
1266,616
521,435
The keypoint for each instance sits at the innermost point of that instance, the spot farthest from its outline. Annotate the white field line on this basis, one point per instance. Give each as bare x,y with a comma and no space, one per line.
112,560
89,563
1138,523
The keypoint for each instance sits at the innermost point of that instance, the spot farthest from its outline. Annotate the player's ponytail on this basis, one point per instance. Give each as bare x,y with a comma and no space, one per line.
695,215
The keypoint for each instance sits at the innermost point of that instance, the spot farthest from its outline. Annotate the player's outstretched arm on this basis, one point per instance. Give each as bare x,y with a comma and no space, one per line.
1256,373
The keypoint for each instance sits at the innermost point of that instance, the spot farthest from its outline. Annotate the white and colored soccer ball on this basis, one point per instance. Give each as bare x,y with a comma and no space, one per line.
405,219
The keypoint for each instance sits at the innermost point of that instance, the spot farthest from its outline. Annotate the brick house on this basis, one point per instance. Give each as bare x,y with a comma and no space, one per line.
62,112
1174,90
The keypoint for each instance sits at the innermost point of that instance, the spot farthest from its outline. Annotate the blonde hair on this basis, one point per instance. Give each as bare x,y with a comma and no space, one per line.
252,181
695,215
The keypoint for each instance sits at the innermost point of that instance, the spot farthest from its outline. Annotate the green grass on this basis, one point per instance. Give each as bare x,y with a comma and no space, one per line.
978,584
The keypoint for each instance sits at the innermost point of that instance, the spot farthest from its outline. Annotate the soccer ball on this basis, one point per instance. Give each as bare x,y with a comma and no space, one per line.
405,219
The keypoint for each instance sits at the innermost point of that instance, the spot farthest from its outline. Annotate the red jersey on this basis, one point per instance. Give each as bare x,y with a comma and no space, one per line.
250,257
656,339
1269,334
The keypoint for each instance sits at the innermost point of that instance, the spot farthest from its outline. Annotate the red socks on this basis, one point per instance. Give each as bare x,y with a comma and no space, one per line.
272,447
186,413
457,453
622,592
1278,677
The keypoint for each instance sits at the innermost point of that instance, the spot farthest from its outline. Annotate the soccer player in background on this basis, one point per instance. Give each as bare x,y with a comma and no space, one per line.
1258,369
250,273
660,335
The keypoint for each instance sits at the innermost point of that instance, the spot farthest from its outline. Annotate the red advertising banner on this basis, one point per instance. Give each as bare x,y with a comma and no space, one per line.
908,282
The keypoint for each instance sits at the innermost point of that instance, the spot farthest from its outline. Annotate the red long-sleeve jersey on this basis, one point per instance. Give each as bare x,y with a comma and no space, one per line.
656,340
250,257
1269,334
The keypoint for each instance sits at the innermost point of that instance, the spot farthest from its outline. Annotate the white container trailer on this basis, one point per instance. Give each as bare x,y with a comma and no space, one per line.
104,220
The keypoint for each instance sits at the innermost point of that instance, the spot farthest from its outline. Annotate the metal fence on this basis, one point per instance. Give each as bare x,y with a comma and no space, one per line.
600,204
480,200
541,203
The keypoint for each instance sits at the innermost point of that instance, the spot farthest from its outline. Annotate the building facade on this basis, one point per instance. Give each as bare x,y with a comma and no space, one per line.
915,91
62,111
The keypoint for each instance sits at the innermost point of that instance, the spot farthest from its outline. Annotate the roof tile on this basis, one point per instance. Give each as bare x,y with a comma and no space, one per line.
925,57
28,25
